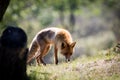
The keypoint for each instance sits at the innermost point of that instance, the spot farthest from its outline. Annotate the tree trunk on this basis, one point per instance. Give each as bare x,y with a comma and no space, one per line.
3,6
61,14
116,27
72,20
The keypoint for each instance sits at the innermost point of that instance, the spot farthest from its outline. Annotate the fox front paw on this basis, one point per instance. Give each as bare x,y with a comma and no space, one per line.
56,62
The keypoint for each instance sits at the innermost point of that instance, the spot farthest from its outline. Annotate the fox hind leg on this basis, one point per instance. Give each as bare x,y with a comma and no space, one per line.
43,51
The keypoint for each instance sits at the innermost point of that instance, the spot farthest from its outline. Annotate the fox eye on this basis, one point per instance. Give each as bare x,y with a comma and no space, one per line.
65,53
70,53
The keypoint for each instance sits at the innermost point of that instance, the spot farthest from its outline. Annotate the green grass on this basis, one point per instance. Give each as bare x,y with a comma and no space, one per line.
98,67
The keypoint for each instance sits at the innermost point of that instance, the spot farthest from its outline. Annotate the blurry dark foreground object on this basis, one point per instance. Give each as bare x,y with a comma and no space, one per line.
13,37
13,54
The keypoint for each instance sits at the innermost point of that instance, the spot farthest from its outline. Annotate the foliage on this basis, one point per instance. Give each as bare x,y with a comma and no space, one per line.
46,18
112,3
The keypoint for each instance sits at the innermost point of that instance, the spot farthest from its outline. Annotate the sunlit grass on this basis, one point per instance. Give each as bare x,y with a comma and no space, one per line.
97,67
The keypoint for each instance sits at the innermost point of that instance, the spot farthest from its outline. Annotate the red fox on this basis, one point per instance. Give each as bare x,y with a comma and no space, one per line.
61,40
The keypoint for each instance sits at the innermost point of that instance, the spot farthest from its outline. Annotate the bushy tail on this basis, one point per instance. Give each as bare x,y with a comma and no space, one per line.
32,50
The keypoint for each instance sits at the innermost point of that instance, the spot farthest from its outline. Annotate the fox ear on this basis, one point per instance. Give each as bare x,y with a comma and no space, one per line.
73,44
63,45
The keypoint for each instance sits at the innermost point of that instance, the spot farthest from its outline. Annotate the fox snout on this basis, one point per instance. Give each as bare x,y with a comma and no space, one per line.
67,58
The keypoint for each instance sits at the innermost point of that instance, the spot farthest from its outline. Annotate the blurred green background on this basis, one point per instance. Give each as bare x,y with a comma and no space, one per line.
94,24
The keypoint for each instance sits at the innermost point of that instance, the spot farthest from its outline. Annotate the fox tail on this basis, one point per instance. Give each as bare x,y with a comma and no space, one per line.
32,50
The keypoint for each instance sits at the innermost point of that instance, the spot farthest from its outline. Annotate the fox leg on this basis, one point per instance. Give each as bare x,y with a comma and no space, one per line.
44,50
37,58
55,53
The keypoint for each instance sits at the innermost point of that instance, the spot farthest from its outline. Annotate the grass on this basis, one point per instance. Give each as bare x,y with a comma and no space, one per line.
98,67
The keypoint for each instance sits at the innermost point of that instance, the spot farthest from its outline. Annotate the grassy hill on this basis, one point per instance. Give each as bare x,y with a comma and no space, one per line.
103,66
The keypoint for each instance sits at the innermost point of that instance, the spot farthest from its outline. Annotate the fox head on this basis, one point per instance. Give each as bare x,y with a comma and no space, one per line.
67,50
